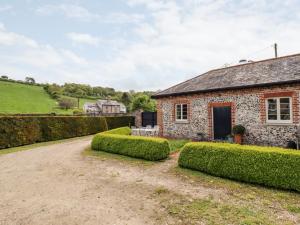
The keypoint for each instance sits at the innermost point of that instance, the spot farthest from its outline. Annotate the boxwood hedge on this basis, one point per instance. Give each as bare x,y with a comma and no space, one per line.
23,130
270,166
120,142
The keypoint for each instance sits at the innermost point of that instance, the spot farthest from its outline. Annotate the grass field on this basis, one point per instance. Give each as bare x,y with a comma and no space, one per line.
22,98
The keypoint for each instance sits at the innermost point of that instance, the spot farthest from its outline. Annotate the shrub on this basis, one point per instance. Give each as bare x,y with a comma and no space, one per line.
78,112
55,128
270,166
238,129
16,131
119,121
66,103
121,131
21,130
118,141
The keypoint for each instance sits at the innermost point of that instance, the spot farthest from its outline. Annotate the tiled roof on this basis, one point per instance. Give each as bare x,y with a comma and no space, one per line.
261,73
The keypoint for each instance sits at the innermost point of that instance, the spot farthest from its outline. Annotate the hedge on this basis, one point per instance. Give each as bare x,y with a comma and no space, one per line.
120,131
17,131
120,142
119,121
270,166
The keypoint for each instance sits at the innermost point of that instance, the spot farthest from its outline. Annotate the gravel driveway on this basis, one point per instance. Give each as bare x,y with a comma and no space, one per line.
56,184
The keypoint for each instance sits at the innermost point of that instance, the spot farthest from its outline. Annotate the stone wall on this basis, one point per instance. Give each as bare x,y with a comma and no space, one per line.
138,117
248,109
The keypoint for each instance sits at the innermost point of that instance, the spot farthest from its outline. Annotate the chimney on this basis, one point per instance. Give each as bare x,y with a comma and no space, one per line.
243,61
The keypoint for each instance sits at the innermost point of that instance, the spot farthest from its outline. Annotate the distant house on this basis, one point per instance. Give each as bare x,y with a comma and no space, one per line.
263,96
104,107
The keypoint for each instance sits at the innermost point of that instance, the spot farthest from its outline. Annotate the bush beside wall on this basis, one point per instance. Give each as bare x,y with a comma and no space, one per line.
139,147
17,131
270,166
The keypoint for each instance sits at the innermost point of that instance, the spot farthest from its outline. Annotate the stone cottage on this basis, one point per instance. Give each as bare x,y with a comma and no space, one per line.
263,96
104,107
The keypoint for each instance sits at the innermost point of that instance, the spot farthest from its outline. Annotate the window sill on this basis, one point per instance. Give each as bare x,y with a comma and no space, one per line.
279,124
182,121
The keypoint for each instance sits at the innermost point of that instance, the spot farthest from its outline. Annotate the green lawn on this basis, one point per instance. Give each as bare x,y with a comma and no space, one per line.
22,98
177,144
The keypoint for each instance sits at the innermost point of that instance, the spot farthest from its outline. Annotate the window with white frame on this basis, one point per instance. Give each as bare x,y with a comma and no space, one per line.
181,112
279,110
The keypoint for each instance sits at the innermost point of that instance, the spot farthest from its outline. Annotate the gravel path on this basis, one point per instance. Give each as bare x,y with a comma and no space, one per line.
56,184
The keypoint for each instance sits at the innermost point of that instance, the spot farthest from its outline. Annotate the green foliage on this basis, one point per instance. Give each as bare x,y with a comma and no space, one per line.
144,102
126,99
66,103
77,112
270,166
55,128
17,131
177,144
30,80
138,147
121,131
119,121
238,129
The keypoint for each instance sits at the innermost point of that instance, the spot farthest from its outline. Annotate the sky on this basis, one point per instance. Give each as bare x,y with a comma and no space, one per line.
140,44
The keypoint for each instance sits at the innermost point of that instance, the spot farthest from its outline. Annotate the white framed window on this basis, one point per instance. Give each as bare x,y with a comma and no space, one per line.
279,110
181,112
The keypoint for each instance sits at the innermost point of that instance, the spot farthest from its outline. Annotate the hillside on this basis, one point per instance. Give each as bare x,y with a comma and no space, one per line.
22,98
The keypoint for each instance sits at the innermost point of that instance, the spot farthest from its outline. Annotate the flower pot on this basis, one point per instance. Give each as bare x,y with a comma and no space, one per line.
238,139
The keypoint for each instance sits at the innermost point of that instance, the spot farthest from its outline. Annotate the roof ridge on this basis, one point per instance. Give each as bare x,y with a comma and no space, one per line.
239,65
254,62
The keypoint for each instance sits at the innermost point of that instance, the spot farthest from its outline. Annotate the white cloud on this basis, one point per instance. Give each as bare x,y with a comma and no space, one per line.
83,14
10,38
81,38
68,10
5,8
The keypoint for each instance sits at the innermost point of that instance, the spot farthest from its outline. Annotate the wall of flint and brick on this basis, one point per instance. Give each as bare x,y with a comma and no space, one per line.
248,109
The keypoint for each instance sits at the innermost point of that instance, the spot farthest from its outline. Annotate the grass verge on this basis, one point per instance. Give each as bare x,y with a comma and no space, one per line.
250,204
177,144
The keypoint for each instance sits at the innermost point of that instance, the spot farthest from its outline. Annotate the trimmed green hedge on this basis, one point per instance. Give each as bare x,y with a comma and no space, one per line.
120,142
20,130
119,121
270,166
120,131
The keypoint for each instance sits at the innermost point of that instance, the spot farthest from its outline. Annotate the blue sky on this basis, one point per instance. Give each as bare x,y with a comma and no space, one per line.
140,44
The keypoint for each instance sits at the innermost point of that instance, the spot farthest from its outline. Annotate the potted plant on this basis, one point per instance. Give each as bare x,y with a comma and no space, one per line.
238,132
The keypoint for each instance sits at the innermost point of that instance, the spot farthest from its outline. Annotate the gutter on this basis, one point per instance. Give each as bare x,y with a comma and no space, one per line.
226,88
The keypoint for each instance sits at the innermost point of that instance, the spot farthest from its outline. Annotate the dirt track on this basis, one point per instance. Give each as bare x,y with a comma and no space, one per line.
56,184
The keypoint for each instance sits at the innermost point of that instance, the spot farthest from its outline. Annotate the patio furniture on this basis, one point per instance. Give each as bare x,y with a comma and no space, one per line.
145,131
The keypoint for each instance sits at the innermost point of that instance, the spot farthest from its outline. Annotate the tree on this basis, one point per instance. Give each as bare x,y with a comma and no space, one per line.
66,103
4,77
30,80
126,98
144,102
